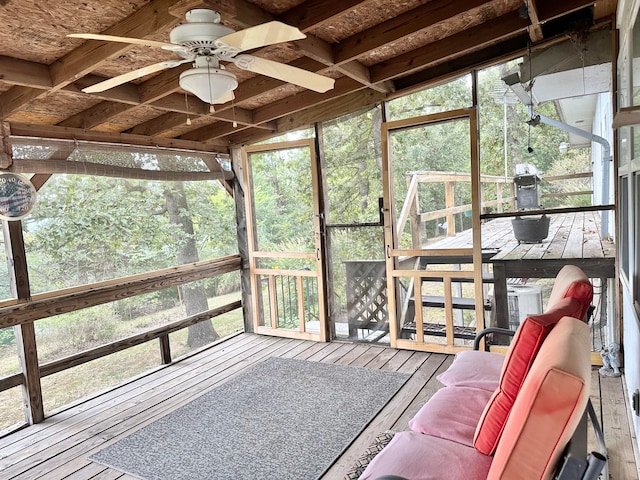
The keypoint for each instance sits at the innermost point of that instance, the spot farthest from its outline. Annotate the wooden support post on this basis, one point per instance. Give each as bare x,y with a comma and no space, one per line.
165,349
499,195
243,242
6,156
25,333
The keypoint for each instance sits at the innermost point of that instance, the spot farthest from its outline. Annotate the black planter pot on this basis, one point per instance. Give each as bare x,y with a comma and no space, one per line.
530,229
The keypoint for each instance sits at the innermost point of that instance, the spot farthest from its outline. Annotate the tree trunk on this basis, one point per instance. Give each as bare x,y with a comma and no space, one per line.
193,296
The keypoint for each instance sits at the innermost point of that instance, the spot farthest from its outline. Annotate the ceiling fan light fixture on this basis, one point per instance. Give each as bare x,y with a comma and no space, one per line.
208,84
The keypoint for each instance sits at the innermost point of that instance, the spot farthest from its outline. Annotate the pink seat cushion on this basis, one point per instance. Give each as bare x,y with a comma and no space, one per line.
438,418
522,352
415,456
475,369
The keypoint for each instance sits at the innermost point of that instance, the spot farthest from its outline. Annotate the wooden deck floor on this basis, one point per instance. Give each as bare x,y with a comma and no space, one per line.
59,447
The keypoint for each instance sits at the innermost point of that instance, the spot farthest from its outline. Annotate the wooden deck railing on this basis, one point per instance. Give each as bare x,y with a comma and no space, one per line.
20,313
411,208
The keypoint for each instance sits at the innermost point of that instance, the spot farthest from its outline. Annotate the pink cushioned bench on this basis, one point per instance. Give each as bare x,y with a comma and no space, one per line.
506,416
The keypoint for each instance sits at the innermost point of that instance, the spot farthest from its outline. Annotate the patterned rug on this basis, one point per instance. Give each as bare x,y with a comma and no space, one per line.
281,419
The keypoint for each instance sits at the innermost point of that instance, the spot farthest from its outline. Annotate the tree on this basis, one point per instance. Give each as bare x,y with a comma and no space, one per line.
193,295
89,229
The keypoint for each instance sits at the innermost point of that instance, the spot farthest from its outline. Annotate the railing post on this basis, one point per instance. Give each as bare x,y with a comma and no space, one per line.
414,211
165,349
449,193
499,195
25,332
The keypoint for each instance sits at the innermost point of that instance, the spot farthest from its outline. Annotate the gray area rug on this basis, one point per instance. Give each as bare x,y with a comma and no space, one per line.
281,419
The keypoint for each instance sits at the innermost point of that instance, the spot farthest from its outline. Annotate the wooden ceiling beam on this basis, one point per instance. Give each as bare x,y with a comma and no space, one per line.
125,93
15,98
274,110
83,60
176,103
321,51
304,99
48,167
466,41
317,13
491,55
153,89
161,85
329,110
223,130
97,115
550,9
24,73
195,106
90,54
67,133
535,29
400,27
156,126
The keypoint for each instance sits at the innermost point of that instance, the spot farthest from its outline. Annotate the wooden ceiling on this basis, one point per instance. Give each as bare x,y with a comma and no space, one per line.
375,49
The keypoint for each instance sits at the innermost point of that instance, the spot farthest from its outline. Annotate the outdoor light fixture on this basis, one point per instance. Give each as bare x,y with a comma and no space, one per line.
563,147
208,84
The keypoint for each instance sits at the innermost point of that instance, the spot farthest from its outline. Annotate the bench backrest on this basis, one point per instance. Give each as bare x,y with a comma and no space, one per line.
548,407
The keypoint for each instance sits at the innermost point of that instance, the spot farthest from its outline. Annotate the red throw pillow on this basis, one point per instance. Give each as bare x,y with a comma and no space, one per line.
583,292
522,352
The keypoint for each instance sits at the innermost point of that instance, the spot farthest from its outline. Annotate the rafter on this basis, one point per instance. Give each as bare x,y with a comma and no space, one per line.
550,9
535,30
317,13
400,27
468,40
490,55
67,133
89,55
259,109
24,73
97,115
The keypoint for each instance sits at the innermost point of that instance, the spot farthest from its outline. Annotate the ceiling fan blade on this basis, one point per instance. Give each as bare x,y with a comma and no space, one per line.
286,73
134,41
132,75
261,35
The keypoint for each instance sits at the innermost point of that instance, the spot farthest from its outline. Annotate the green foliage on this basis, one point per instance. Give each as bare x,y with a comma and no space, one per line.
7,336
88,229
543,139
78,330
283,198
574,161
353,167
449,96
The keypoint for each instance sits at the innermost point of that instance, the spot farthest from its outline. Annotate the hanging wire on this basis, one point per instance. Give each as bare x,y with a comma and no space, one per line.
211,109
530,122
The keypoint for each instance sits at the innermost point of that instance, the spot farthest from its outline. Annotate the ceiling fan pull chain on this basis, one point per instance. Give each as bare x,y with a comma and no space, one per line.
186,102
211,109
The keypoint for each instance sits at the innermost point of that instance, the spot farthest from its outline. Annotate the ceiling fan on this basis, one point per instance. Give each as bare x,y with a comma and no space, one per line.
205,42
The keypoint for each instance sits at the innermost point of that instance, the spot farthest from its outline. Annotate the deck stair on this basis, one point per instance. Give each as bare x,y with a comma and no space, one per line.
438,301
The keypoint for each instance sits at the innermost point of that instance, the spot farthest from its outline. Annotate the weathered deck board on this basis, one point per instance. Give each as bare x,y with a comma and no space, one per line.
615,425
59,447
